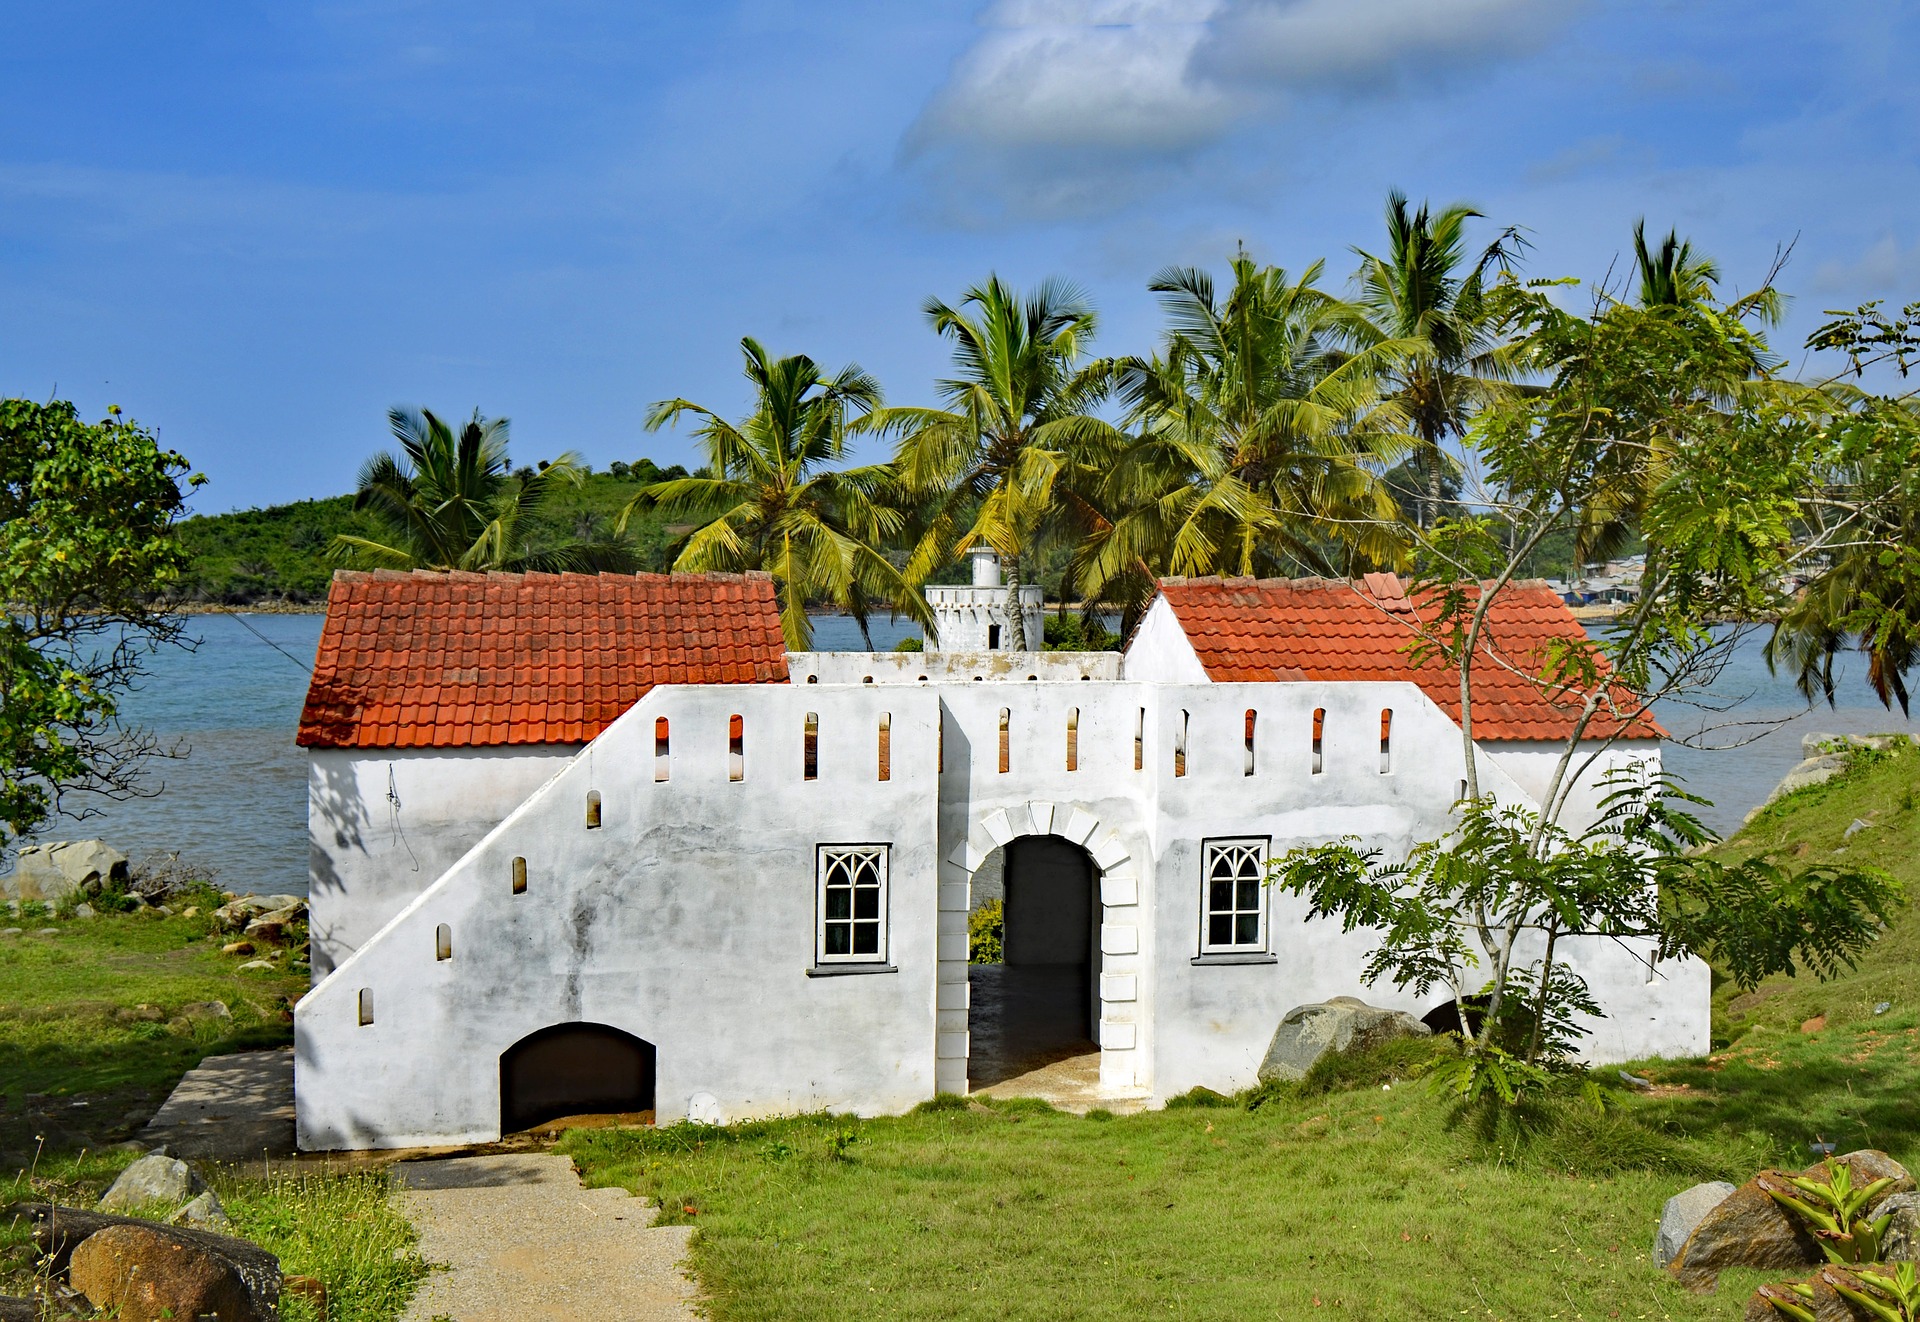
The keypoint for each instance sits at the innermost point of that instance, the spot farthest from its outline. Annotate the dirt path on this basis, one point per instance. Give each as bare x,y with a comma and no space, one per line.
525,1243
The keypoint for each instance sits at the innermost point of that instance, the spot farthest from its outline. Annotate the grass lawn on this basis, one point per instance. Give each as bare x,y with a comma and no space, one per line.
78,1066
1355,1202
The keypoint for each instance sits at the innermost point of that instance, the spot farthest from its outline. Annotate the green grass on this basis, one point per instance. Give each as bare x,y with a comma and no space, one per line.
340,1229
75,1071
1328,1198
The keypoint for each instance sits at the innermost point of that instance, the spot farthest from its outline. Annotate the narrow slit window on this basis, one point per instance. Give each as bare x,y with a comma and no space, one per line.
1140,740
810,758
366,1006
1180,746
1319,737
1247,759
1006,740
593,810
1386,741
1461,797
1073,739
886,746
519,876
443,943
736,748
662,757
940,744
993,637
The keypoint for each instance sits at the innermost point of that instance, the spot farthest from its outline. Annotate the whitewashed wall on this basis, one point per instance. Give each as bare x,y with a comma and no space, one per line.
686,919
383,824
1531,763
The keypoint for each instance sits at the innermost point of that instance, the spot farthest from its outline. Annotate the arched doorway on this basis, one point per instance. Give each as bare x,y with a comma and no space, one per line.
574,1069
1039,1006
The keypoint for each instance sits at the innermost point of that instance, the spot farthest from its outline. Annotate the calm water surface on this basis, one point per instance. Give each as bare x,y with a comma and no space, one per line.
236,798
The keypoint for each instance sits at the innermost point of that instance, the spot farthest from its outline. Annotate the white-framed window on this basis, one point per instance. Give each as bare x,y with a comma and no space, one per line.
852,927
1233,895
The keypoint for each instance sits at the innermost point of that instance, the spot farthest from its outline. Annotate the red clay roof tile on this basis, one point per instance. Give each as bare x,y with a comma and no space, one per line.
460,660
1322,630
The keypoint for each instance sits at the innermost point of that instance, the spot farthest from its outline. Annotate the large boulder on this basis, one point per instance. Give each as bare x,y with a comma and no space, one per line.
155,1178
148,1275
1683,1212
51,872
1901,1241
1308,1032
1748,1229
58,1232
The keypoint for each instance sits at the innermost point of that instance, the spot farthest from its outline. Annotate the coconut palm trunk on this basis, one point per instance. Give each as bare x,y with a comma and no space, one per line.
1016,616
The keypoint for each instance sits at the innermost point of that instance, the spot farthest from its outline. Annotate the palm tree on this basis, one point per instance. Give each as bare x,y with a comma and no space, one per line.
1018,416
1675,276
448,501
769,504
1425,289
1257,435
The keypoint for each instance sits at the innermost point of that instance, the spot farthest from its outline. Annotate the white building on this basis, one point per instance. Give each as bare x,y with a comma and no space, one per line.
596,843
975,618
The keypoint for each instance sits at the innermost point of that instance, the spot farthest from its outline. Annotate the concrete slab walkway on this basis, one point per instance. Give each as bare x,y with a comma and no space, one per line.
525,1243
229,1108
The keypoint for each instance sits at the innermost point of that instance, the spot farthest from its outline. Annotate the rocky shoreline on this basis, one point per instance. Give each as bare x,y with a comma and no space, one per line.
1825,756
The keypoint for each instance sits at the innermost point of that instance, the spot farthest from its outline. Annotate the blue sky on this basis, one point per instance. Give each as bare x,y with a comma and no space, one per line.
256,226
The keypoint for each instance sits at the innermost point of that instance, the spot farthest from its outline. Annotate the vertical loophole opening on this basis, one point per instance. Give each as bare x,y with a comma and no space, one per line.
366,1006
1073,739
1319,735
940,744
661,753
1006,740
519,876
886,746
1386,741
810,757
993,637
1246,768
1140,740
1180,746
443,942
736,748
1461,797
593,810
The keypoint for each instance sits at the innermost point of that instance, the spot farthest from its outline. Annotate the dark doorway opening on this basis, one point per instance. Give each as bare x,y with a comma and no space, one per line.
1445,1017
1040,1005
574,1069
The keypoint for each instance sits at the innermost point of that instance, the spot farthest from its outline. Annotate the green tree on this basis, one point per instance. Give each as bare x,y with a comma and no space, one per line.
1257,438
1427,290
86,552
1723,527
1019,416
450,500
773,504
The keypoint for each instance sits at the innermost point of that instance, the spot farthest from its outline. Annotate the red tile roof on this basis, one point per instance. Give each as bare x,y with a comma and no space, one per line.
1322,630
430,660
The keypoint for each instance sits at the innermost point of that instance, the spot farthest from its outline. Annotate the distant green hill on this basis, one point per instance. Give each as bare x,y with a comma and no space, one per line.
1810,826
278,555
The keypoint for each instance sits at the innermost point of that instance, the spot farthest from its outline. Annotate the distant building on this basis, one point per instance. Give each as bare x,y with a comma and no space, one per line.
975,618
598,843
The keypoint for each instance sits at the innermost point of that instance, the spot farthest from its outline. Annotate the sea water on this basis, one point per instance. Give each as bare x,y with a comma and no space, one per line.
234,794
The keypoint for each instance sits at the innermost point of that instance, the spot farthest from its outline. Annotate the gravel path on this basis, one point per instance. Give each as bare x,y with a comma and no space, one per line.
525,1243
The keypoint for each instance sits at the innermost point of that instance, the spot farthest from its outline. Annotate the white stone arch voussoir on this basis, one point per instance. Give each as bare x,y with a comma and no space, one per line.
1120,930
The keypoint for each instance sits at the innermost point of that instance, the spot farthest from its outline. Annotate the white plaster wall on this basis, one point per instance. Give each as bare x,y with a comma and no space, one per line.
1531,763
1159,651
687,920
384,824
949,667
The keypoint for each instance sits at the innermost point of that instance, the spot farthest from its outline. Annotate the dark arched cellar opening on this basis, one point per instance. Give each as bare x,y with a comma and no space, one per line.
574,1069
1040,1003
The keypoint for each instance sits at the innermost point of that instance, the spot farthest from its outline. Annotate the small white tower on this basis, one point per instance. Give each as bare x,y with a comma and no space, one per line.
974,619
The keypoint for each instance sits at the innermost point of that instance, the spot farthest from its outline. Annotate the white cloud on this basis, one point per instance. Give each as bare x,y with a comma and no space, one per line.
1064,106
1886,269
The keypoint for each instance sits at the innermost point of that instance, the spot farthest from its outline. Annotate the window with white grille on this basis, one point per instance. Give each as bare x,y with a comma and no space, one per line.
852,905
1233,896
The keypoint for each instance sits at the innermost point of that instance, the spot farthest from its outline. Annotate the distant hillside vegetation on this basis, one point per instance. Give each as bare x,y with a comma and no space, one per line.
1810,826
278,555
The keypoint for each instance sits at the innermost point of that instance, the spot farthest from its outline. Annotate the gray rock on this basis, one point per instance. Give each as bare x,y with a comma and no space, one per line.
257,966
1308,1032
85,911
47,931
51,872
206,1010
1683,1212
153,1179
12,931
1855,827
1901,1241
203,1212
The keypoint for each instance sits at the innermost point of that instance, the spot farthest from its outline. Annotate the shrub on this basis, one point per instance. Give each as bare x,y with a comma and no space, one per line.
986,929
910,645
